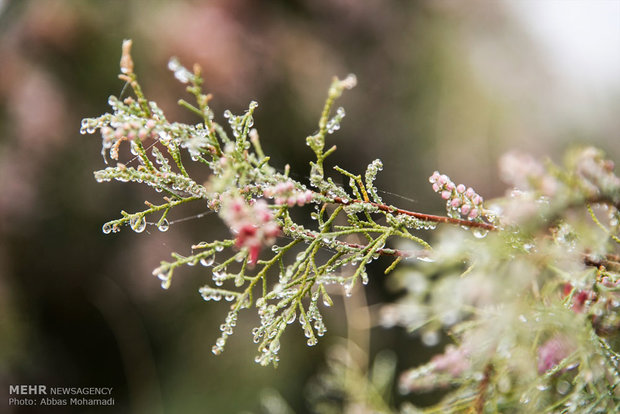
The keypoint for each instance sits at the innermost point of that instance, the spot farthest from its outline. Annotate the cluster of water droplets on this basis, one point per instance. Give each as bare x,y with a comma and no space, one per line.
164,273
333,124
161,160
110,227
271,327
411,222
313,314
227,329
208,293
240,126
180,72
196,143
371,174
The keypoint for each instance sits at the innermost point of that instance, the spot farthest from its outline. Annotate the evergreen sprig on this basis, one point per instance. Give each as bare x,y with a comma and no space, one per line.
529,296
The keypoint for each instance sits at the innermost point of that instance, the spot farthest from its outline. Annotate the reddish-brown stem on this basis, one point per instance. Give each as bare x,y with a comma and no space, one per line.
482,389
610,262
421,216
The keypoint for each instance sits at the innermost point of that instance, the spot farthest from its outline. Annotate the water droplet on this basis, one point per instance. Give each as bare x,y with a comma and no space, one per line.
480,233
312,341
163,225
542,387
292,318
207,261
425,258
107,228
563,387
522,318
138,224
162,276
430,338
219,248
274,346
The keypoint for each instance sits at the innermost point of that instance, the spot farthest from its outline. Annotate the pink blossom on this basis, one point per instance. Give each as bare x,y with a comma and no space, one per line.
454,360
253,224
552,352
473,213
286,194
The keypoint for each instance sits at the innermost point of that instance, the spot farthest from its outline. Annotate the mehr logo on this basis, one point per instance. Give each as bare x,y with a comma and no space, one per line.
27,389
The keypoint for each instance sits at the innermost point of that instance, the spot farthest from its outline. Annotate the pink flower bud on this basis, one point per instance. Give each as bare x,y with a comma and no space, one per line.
309,196
455,202
460,188
477,200
301,199
443,179
254,251
291,201
436,187
469,193
465,209
433,178
446,195
142,133
473,213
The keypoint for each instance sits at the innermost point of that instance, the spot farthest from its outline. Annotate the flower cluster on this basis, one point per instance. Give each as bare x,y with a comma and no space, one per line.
460,200
285,193
524,172
121,126
454,360
596,173
253,224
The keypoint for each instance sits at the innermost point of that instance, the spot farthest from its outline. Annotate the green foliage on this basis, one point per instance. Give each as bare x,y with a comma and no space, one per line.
529,297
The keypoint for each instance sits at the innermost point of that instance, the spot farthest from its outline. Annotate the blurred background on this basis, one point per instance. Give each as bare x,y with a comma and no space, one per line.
447,85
